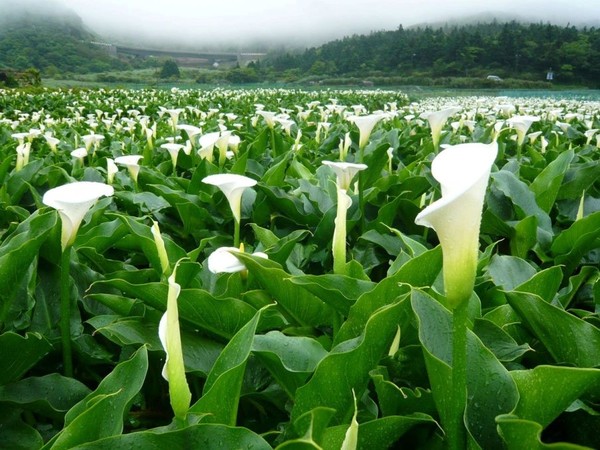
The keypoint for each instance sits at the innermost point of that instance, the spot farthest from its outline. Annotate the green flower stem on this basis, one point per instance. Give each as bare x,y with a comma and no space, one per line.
339,235
65,311
361,203
236,233
273,146
456,431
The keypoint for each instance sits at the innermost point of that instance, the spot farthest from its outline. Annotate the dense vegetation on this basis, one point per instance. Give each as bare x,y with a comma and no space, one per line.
58,45
52,45
346,337
509,50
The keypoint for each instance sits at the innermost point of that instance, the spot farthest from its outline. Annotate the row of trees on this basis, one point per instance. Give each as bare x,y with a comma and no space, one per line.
511,49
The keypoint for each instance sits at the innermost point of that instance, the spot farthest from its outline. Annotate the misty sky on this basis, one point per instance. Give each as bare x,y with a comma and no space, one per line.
298,21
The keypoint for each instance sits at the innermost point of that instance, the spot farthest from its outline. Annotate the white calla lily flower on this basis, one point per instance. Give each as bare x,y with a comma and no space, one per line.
72,201
111,170
233,186
23,151
132,162
463,172
223,260
521,125
344,172
437,119
170,338
173,150
365,126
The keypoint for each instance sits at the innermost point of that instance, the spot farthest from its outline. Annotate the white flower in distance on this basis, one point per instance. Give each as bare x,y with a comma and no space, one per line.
111,170
92,139
436,120
132,162
207,144
72,201
463,172
344,172
52,141
365,126
233,186
191,131
521,125
22,155
223,260
173,150
344,146
269,117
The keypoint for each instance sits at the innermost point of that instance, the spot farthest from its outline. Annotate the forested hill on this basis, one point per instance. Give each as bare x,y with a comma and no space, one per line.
50,42
508,50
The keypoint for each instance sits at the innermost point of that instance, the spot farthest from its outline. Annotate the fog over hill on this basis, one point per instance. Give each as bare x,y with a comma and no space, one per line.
268,24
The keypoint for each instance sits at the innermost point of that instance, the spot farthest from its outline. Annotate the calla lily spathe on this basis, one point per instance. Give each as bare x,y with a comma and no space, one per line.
111,170
223,260
436,120
132,162
72,201
344,172
170,338
463,172
521,125
365,126
233,186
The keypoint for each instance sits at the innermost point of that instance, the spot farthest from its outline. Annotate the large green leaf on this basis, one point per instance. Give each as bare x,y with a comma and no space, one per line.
504,347
221,393
143,240
571,245
420,271
301,305
101,413
547,391
567,338
338,291
376,434
199,353
291,359
547,184
50,395
222,317
203,436
18,251
15,434
347,367
522,197
509,271
401,401
486,376
19,354
544,283
526,434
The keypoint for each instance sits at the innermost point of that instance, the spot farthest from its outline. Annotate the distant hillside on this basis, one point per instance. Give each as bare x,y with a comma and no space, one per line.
507,50
49,37
502,17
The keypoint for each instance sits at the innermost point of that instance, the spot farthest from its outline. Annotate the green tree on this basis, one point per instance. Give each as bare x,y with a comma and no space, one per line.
170,69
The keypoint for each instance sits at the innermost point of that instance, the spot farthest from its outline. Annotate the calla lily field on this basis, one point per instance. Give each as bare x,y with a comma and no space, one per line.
285,268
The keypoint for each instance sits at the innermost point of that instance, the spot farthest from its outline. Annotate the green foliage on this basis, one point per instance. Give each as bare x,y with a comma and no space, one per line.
169,69
49,44
285,353
471,52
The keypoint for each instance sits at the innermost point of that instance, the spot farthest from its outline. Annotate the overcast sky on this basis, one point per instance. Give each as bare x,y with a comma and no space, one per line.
312,21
